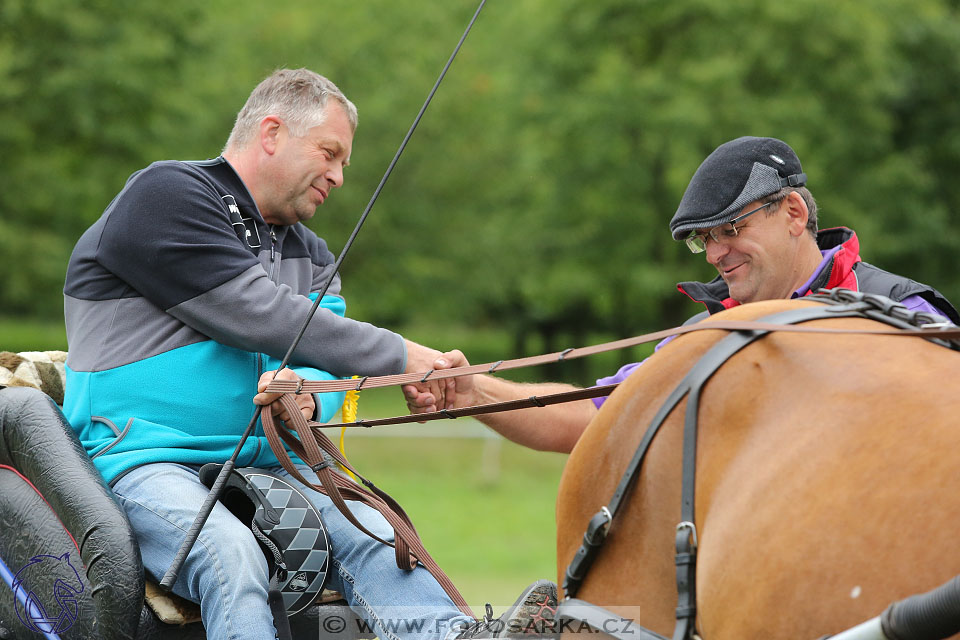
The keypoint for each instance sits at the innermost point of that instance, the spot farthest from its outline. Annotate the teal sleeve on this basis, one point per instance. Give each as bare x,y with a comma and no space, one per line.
328,404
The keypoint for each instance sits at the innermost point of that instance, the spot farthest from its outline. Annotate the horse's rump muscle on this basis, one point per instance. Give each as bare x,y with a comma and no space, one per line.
826,483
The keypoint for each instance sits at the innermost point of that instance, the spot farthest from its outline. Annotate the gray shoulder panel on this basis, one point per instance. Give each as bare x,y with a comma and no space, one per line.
252,313
103,334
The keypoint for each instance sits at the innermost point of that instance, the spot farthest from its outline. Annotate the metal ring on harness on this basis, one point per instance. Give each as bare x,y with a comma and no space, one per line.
274,508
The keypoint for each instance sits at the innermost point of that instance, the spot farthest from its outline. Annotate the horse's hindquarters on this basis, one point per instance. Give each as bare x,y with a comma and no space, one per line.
825,479
835,499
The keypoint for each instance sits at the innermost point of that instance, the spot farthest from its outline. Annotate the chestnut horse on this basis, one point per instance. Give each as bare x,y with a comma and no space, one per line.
828,476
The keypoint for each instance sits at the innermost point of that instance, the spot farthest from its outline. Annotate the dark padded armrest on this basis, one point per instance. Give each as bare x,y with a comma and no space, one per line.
37,441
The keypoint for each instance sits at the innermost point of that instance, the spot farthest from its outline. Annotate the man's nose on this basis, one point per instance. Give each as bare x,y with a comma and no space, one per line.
335,176
716,250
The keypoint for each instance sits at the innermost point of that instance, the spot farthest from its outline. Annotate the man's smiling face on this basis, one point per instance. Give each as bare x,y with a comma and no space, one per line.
758,263
304,170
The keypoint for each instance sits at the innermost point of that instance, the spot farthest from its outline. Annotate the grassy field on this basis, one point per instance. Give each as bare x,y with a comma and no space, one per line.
19,334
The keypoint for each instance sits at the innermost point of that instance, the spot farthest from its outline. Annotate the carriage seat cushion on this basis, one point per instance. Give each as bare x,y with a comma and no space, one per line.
44,370
41,370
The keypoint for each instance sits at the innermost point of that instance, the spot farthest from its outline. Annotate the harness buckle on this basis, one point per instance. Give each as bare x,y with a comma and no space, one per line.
606,514
299,386
692,528
597,528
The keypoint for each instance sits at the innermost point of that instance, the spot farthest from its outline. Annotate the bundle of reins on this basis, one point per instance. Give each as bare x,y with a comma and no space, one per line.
325,460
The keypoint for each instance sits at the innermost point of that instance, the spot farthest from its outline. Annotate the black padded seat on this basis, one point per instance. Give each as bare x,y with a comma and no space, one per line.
55,506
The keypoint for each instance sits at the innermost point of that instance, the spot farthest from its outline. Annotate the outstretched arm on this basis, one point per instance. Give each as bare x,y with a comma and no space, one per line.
551,428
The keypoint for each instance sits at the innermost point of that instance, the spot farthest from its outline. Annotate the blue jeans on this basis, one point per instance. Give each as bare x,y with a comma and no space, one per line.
226,571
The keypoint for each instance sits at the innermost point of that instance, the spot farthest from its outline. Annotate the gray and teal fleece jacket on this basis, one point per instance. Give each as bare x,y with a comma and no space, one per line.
177,299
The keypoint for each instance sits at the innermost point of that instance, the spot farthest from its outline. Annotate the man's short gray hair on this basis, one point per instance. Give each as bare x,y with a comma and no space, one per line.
297,96
807,199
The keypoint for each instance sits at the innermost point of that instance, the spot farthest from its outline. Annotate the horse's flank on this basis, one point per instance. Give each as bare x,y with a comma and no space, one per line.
826,483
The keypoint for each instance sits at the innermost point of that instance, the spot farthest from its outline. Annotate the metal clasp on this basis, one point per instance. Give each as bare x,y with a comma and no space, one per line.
937,325
597,528
692,529
606,513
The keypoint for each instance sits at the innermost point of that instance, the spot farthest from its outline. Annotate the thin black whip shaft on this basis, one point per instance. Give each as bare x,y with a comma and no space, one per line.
170,578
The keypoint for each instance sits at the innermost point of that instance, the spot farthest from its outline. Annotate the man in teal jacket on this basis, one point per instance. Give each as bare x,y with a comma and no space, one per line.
179,300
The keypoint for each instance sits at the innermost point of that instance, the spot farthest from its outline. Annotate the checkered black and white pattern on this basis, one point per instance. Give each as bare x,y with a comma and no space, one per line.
294,526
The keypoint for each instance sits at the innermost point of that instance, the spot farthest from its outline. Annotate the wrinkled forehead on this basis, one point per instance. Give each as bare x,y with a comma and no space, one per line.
333,132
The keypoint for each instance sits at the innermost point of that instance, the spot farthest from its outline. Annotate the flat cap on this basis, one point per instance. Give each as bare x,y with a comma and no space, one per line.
734,175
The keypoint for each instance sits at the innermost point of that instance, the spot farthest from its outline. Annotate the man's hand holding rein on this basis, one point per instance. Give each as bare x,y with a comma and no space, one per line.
305,401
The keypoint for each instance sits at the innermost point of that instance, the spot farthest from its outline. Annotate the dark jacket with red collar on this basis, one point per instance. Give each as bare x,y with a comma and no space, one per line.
845,269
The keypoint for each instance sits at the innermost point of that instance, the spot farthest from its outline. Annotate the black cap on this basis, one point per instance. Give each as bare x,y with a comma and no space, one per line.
734,175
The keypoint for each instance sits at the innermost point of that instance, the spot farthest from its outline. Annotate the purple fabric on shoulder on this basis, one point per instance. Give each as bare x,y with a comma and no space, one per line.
625,371
917,303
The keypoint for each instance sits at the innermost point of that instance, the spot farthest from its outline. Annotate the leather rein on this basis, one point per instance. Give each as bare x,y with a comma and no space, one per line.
915,324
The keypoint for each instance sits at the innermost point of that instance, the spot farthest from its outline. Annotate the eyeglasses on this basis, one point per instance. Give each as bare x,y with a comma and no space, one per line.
697,241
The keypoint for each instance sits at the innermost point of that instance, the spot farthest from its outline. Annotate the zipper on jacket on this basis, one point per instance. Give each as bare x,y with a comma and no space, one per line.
273,254
257,429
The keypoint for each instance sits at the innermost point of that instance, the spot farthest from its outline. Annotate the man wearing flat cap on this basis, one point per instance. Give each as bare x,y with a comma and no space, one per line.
748,209
779,254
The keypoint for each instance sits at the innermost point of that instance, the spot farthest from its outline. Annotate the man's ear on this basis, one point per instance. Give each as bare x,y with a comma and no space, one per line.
797,212
270,132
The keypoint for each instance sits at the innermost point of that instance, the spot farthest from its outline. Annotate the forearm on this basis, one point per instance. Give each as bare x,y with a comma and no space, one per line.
552,428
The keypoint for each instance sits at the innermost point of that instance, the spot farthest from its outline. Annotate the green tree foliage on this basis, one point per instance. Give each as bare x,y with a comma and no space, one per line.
577,132
89,92
536,193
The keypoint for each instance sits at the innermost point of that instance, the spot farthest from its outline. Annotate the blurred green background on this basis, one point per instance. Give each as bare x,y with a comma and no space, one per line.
529,212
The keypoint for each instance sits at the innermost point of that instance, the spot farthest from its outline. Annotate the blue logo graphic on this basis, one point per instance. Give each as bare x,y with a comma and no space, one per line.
31,611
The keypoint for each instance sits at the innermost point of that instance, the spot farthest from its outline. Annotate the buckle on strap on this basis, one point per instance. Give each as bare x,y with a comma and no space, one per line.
597,529
687,543
592,541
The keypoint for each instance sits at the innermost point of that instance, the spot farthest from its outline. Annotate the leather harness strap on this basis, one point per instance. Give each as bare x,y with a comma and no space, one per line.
480,409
